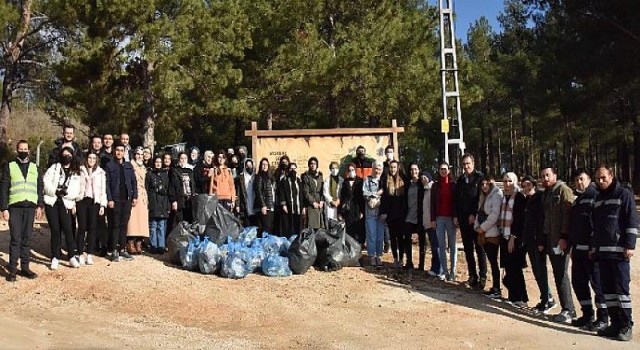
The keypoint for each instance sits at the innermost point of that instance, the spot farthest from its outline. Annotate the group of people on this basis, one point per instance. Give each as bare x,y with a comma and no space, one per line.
111,198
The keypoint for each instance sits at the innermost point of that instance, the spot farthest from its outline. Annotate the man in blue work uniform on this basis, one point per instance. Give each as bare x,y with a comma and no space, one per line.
583,269
615,228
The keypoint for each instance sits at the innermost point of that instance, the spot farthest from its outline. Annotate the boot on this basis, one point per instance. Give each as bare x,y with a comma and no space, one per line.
139,247
131,247
602,320
421,259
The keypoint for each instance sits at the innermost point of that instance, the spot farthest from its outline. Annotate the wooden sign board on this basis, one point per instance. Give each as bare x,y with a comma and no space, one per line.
325,144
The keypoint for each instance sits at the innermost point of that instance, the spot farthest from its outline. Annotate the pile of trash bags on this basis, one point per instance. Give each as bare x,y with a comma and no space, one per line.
221,246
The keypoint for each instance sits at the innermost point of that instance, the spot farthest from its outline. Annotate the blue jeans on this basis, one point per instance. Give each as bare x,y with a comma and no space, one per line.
435,252
375,235
157,229
445,223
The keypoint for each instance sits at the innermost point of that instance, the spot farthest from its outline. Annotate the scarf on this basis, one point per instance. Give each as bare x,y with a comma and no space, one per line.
506,214
333,186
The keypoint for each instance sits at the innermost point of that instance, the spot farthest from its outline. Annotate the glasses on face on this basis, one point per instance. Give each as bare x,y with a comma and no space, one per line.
443,169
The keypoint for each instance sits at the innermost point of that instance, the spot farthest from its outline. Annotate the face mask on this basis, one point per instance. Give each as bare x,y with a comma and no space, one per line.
360,154
283,166
352,174
23,155
234,164
292,173
390,156
249,171
66,160
334,172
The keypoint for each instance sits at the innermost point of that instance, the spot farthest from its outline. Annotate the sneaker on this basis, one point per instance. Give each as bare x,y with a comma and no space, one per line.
451,277
609,332
543,307
115,257
582,321
28,274
74,262
493,293
372,261
126,255
442,277
54,264
551,304
81,260
11,277
597,325
520,304
565,316
89,259
432,274
482,283
626,334
378,261
472,282
397,263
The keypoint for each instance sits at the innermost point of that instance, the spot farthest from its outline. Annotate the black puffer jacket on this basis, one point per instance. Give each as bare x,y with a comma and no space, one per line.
157,185
264,188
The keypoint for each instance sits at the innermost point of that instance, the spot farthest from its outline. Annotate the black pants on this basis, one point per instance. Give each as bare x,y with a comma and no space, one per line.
470,243
560,266
118,218
356,230
538,263
187,213
409,230
514,274
585,271
87,214
59,218
20,228
266,222
615,278
291,224
491,251
249,220
226,203
102,233
396,235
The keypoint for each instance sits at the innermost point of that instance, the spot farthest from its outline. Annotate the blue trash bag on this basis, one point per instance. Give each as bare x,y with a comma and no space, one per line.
255,256
276,266
235,266
189,256
209,257
248,235
275,245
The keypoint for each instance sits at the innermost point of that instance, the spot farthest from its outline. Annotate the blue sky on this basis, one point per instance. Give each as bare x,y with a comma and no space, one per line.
468,11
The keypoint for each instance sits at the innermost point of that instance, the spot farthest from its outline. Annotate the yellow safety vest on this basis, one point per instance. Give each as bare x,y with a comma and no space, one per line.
23,189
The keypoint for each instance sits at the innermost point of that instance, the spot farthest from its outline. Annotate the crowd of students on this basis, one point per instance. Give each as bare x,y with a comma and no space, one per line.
111,198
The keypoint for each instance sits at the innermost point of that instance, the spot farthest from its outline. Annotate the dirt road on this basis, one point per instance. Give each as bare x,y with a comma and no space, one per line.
148,304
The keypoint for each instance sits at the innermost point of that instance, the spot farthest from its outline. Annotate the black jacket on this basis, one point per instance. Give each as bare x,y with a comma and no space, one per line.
157,185
264,189
531,233
580,228
467,195
351,201
615,222
291,195
177,176
393,205
5,184
241,193
113,181
201,177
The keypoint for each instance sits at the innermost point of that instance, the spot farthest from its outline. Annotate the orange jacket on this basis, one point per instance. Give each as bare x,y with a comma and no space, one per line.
222,184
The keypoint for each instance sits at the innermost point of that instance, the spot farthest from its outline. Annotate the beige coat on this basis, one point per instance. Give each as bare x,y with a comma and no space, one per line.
139,221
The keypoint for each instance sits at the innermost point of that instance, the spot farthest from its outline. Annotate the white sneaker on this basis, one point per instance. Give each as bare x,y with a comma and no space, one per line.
431,273
74,262
54,264
81,260
89,259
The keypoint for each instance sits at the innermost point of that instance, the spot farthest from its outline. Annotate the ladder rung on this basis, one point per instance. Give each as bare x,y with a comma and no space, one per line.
452,94
449,70
446,11
449,51
454,141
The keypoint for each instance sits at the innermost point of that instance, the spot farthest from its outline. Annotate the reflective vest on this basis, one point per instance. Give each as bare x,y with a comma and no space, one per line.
23,189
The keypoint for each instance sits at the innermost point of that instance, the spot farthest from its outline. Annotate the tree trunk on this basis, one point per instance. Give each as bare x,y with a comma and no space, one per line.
148,110
11,61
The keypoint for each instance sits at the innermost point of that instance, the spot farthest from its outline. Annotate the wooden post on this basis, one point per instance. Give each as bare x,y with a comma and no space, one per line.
394,138
254,139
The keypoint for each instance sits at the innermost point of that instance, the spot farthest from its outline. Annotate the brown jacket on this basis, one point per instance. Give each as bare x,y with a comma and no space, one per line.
556,207
222,184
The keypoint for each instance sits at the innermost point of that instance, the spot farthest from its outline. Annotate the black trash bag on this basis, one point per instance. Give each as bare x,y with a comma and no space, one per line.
303,252
222,224
344,251
179,240
203,207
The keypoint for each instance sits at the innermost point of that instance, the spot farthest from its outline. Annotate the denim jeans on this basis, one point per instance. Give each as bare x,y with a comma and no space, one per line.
157,229
375,235
444,225
436,265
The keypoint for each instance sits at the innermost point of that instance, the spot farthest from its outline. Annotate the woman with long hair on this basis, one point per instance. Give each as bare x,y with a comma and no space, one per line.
157,186
264,189
138,227
393,209
91,206
63,186
222,184
312,190
351,208
486,225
